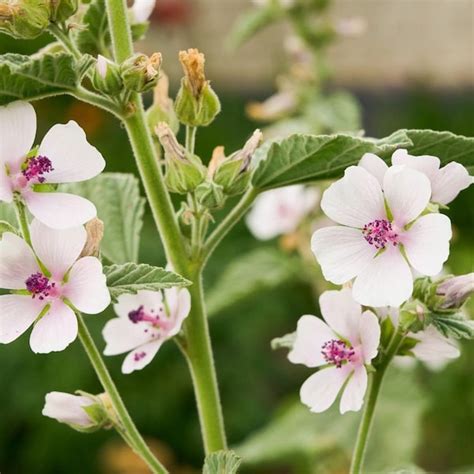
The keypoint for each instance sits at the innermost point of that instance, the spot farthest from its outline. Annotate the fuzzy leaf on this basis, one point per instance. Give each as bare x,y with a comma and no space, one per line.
453,325
132,277
120,207
221,462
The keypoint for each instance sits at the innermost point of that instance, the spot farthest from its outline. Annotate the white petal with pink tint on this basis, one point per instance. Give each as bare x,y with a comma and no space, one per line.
86,287
354,200
55,330
57,249
72,156
387,281
353,394
17,314
434,347
60,210
67,408
342,252
407,193
369,333
179,303
140,357
426,243
17,133
142,9
311,334
122,335
374,165
17,262
449,182
6,190
151,300
426,164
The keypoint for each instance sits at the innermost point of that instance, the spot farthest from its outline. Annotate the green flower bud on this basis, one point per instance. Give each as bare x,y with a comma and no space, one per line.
106,77
25,19
62,9
184,171
140,72
413,316
210,195
196,103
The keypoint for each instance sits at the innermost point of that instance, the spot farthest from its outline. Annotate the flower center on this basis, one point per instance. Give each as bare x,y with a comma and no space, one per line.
139,314
379,233
337,352
40,286
36,167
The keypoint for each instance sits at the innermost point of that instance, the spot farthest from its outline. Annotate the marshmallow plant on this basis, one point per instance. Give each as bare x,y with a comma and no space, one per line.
390,225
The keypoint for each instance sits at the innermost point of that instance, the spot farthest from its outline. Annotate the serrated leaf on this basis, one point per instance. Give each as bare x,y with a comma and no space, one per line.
93,36
31,78
221,462
132,277
120,207
453,325
303,158
251,273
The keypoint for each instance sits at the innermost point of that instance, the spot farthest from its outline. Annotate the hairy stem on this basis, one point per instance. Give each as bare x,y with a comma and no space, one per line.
62,36
190,138
129,430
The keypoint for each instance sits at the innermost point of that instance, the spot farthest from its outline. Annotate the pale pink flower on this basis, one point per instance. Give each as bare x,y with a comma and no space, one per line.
68,408
446,182
142,10
383,234
146,320
281,211
64,156
48,290
342,345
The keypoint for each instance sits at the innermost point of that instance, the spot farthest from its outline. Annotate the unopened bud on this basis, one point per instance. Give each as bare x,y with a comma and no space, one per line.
95,233
141,10
62,9
184,171
25,19
196,103
140,72
162,109
413,316
106,77
210,195
454,291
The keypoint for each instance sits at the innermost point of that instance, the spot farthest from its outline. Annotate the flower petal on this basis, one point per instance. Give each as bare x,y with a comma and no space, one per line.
179,304
17,262
426,164
449,182
142,9
67,408
407,192
122,335
342,313
86,287
140,357
60,210
6,192
353,394
426,243
342,252
150,300
311,334
354,200
321,389
55,330
72,156
369,335
57,249
17,314
17,132
374,165
387,281
434,347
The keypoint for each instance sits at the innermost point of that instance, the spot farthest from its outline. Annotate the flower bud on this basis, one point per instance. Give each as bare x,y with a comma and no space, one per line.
62,9
196,103
140,72
210,195
141,10
95,233
233,173
413,316
106,77
25,19
454,291
184,171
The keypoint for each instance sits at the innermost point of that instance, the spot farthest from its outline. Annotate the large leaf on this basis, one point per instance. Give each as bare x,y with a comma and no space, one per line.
31,78
133,277
303,158
221,462
120,207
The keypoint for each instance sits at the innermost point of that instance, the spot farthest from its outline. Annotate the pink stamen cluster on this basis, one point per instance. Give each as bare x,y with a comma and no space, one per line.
36,167
39,285
379,233
337,352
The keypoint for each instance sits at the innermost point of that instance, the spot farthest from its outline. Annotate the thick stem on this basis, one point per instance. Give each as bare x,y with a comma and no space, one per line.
130,431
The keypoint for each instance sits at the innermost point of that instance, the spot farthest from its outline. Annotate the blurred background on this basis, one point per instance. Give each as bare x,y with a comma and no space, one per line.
375,65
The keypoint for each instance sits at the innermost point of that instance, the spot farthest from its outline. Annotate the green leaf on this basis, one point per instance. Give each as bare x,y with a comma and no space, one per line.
93,37
221,462
6,227
303,158
7,213
252,273
31,78
120,207
453,325
133,277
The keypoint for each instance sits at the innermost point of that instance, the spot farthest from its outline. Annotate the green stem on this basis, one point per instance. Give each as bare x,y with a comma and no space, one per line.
190,138
23,221
130,431
64,38
98,100
375,384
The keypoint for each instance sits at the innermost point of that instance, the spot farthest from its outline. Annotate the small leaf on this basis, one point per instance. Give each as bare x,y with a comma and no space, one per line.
133,277
7,227
453,325
221,462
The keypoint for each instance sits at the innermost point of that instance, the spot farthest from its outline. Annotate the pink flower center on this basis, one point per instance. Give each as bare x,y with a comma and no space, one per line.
139,315
40,286
36,168
379,233
337,352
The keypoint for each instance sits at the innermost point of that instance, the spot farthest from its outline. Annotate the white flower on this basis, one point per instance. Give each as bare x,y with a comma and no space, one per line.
47,289
383,234
142,9
64,156
68,408
145,321
280,211
446,182
341,346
